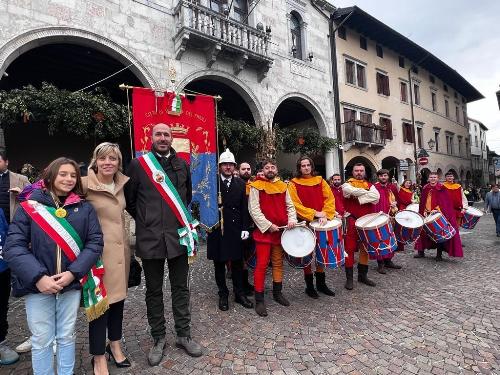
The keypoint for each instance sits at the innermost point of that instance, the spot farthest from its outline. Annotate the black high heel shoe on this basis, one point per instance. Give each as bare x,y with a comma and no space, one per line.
124,363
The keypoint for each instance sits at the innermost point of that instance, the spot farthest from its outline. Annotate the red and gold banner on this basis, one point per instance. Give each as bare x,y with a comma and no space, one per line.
192,120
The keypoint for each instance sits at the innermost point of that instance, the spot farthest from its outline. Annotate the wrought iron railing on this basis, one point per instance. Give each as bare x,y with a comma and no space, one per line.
359,132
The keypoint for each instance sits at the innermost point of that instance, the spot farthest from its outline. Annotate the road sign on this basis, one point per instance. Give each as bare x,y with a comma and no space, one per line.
423,161
403,165
422,153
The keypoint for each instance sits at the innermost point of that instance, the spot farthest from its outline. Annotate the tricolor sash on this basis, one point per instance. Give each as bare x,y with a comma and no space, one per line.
187,233
66,237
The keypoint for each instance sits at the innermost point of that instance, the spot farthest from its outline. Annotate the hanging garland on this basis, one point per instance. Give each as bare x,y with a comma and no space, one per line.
85,114
239,135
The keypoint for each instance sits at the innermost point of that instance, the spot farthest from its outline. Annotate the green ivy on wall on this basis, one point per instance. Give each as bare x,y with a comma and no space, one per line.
238,135
85,114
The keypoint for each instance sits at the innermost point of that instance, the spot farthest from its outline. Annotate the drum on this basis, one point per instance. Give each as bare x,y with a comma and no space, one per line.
407,226
438,228
375,231
471,217
298,244
412,207
329,243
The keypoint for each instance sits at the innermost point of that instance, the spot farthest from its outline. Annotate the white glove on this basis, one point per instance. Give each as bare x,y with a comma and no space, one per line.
244,235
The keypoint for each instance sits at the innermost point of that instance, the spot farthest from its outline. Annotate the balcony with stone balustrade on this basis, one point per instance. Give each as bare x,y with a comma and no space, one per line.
219,37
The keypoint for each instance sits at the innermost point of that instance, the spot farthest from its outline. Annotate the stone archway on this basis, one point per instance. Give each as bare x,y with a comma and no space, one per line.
424,173
391,163
65,34
230,81
311,106
370,168
87,59
297,111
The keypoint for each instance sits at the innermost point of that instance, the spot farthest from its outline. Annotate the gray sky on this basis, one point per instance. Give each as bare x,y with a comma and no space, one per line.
464,34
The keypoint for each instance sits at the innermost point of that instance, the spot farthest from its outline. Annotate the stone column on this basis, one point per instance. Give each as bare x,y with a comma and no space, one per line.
332,162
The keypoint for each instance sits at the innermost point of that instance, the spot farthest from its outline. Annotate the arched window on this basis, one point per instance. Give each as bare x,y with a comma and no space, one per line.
296,33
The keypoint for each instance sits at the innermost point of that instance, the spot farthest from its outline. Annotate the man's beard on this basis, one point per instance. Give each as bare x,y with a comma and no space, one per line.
337,184
270,176
359,177
245,177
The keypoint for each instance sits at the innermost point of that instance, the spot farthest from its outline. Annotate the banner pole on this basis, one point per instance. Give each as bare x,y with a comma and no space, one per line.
130,127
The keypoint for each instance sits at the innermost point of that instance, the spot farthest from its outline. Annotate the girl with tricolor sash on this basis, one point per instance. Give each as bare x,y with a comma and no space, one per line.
53,248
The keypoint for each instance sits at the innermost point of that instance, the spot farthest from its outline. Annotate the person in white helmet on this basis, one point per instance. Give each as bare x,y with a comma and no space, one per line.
225,242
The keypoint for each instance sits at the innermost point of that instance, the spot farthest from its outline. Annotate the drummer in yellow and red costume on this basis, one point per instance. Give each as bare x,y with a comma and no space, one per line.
458,198
387,204
270,207
313,200
360,198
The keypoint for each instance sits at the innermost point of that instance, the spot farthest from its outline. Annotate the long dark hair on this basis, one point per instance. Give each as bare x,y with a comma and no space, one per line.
298,173
50,174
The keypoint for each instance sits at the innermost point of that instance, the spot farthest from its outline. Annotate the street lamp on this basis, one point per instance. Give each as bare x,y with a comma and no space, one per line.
431,143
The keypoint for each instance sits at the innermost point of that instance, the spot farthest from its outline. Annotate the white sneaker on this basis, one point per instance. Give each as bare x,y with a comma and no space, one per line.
24,347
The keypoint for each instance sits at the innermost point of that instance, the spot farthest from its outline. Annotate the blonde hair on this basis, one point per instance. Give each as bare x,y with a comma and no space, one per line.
103,150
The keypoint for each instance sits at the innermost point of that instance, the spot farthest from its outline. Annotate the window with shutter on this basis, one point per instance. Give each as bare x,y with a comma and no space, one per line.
386,123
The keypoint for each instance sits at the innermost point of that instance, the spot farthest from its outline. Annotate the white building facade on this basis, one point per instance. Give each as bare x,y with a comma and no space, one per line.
271,53
478,152
398,101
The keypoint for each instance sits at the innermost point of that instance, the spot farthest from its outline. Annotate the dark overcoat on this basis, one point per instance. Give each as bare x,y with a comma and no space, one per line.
155,224
226,247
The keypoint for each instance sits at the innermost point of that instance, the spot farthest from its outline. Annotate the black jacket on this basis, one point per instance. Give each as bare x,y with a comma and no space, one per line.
228,246
155,223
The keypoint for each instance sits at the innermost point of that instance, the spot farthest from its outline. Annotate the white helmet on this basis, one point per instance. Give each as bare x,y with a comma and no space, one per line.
227,157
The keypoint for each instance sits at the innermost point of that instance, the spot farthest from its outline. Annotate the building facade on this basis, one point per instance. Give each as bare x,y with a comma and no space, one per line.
398,101
274,55
479,152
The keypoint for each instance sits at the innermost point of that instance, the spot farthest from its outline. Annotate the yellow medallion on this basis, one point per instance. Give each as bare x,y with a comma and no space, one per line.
61,212
159,177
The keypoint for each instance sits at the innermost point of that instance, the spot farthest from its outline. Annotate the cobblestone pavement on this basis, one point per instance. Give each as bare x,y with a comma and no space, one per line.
429,318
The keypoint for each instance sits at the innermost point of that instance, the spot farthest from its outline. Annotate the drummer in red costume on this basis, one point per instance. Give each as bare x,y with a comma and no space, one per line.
404,199
271,207
387,204
405,195
313,200
457,196
435,197
360,196
336,186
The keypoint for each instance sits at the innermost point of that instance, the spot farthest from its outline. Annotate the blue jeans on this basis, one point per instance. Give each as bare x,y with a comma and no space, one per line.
53,317
496,217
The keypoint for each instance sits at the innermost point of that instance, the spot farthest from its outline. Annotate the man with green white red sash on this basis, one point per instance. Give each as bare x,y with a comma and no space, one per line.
157,194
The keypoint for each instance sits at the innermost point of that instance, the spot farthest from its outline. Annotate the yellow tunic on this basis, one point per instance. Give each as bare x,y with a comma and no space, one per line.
306,212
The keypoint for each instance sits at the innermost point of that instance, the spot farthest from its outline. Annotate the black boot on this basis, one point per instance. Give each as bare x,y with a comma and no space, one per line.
363,275
247,287
419,254
278,296
310,291
349,284
380,267
260,305
321,284
390,264
439,255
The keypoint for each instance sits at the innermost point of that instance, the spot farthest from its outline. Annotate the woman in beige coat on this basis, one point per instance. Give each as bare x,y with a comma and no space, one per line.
104,188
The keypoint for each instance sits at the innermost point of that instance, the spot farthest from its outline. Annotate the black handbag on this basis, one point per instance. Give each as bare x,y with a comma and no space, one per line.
134,276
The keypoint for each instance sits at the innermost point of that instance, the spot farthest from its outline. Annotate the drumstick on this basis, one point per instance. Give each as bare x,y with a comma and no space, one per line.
373,218
301,224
